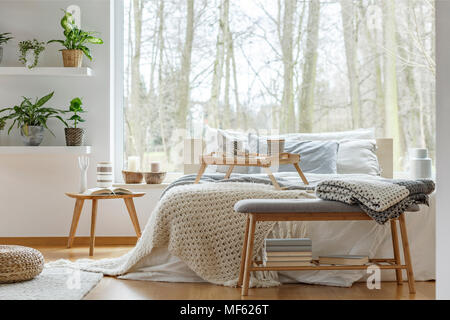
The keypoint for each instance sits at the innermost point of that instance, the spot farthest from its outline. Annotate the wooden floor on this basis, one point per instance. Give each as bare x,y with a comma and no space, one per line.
111,288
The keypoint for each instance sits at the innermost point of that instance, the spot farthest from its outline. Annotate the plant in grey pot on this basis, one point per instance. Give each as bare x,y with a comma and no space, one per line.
75,42
74,134
4,38
31,119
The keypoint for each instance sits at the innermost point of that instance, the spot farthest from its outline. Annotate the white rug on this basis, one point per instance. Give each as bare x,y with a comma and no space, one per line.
54,283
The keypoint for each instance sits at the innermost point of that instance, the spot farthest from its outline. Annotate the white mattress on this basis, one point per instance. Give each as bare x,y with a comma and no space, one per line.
340,237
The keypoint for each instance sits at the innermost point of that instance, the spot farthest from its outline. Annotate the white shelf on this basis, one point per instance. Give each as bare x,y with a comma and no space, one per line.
46,71
44,150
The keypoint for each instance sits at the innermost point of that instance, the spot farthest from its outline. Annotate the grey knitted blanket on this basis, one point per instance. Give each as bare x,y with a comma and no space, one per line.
250,178
382,200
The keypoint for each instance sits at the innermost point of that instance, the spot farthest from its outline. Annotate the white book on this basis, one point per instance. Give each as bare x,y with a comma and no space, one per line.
288,264
291,258
344,260
288,254
107,191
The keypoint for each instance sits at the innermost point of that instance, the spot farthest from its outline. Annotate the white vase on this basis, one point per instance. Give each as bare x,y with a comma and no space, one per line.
29,58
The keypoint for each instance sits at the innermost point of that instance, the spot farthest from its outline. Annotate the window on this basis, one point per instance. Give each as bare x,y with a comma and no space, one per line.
291,65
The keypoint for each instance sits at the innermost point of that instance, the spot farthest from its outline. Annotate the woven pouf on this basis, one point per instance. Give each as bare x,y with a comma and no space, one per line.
19,263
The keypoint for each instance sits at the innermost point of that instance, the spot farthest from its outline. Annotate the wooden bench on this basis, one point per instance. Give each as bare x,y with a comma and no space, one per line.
316,210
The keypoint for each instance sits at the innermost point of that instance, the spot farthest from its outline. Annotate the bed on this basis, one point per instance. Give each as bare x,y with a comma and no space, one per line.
357,237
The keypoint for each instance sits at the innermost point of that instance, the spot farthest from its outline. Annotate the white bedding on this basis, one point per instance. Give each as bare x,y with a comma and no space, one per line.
327,237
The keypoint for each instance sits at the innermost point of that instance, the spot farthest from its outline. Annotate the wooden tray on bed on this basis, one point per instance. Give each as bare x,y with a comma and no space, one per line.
250,160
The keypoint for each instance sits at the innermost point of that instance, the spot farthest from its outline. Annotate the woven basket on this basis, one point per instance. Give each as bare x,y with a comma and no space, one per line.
72,58
74,136
154,177
132,177
19,263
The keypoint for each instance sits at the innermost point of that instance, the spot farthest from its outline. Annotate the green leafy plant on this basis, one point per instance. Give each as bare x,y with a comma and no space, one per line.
34,45
4,37
76,39
76,107
32,114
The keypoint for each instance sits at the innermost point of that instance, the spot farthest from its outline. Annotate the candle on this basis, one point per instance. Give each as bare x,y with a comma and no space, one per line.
134,163
155,167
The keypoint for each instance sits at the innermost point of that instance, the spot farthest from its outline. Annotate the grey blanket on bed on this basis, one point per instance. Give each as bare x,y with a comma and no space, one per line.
382,200
250,178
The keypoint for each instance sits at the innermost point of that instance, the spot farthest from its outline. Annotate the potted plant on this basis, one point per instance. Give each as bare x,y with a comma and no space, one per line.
4,38
31,119
29,52
75,42
74,134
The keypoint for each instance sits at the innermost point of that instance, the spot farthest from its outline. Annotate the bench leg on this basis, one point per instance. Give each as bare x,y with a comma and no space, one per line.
396,248
244,251
249,254
407,254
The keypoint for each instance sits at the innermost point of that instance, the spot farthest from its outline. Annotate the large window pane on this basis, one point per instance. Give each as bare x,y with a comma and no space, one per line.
290,65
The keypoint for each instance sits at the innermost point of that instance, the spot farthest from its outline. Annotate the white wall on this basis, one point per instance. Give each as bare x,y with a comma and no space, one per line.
32,200
443,149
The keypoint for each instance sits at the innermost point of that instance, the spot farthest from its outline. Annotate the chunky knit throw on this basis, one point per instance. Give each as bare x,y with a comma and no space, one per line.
382,200
199,226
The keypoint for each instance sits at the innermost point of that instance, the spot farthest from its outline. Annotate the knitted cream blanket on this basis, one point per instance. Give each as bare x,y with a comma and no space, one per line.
199,226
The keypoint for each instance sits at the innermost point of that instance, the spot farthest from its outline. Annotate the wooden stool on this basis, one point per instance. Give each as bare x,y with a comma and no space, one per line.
128,198
315,210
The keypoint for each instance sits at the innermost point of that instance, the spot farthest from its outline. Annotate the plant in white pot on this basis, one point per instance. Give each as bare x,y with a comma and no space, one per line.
4,38
31,119
75,42
29,52
74,134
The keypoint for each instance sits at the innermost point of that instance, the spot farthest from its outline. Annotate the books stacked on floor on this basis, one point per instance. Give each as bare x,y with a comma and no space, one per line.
346,260
295,252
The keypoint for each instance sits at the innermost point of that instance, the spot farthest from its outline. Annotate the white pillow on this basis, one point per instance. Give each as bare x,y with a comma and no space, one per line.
340,135
358,156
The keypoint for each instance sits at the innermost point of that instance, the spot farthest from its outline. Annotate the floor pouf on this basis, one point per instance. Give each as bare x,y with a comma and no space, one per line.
19,263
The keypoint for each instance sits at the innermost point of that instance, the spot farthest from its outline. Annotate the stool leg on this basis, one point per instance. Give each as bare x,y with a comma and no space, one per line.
272,178
229,171
93,220
406,253
395,246
300,173
244,251
249,254
200,173
76,217
133,216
